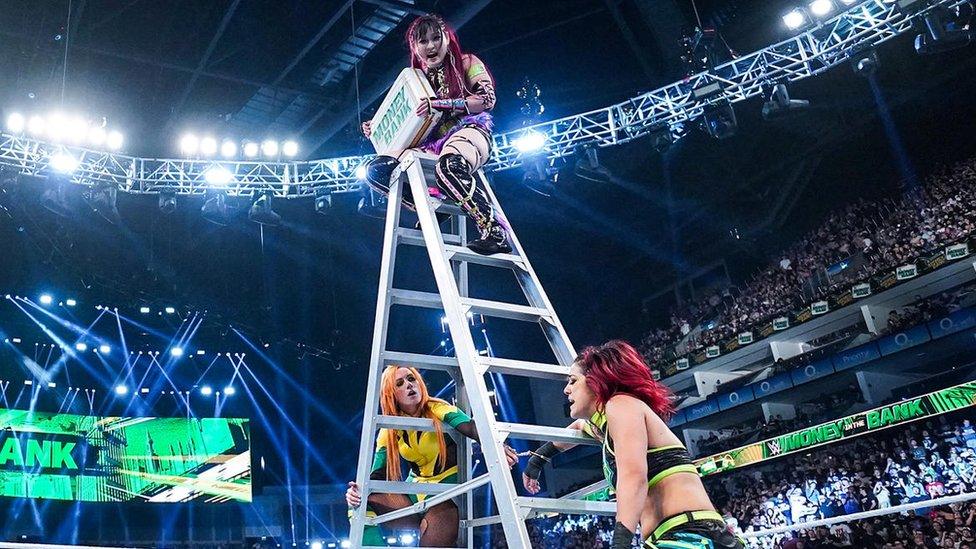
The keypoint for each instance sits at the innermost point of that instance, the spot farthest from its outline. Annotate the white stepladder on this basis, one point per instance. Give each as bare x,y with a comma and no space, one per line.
449,260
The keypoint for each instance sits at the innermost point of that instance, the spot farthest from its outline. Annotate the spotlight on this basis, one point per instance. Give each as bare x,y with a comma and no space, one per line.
46,299
820,8
794,19
206,390
189,144
70,302
176,352
662,140
316,545
52,385
144,391
228,149
201,352
121,390
250,149
144,310
720,122
391,540
229,391
361,172
946,31
56,126
865,63
323,199
81,346
345,544
167,202
104,349
76,130
537,177
208,146
588,166
406,539
289,148
262,213
28,382
372,204
55,199
102,200
114,140
36,125
269,148
530,141
169,310
16,123
778,102
64,162
96,136
218,176
215,210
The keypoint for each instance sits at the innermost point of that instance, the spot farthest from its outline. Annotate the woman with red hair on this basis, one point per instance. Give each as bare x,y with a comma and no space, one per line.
465,92
656,485
431,455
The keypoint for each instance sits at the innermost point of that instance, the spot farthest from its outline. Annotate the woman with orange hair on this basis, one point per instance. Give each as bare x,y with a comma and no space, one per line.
431,455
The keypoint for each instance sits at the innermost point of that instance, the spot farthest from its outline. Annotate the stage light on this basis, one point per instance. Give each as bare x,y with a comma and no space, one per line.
28,382
316,545
57,126
16,340
189,144
167,202
16,122
201,352
865,63
176,352
102,198
46,299
720,121
208,146
250,149
206,390
778,102
230,391
391,540
96,136
530,141
169,310
372,204
70,302
215,210
121,390
64,162
218,176
144,391
794,19
76,130
52,385
262,213
104,349
289,148
269,148
115,140
820,8
144,310
345,544
81,346
228,149
406,539
947,30
849,2
36,125
361,172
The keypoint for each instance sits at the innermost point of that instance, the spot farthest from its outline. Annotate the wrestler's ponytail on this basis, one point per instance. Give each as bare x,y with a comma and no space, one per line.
389,407
617,367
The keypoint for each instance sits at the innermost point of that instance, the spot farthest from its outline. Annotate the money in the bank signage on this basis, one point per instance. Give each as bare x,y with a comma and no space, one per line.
906,271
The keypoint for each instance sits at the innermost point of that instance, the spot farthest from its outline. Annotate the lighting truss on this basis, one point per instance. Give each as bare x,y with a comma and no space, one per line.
828,45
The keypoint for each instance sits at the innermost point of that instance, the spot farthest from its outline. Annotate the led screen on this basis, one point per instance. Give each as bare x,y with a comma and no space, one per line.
115,459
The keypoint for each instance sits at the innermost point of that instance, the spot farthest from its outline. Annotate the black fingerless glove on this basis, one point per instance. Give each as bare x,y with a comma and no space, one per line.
623,538
539,459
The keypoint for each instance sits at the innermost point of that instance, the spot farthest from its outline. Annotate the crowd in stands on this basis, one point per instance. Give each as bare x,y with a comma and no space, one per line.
882,235
812,412
906,465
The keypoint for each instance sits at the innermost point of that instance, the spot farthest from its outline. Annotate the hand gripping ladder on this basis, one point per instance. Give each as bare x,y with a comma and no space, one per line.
449,260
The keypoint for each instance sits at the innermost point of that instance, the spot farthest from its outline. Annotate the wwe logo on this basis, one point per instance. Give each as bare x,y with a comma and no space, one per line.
773,447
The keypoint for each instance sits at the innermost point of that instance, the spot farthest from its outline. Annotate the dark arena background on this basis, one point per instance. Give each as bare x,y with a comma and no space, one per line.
774,201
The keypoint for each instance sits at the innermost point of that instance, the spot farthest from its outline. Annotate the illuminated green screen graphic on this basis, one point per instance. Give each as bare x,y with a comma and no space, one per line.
112,459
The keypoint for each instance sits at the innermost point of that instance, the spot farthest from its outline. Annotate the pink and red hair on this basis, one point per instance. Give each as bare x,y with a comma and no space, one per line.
453,64
616,367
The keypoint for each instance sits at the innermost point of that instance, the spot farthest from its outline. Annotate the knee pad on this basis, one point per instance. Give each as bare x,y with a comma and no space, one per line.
378,172
454,175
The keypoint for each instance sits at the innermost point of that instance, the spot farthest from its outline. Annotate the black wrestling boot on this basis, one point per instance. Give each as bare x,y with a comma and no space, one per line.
378,172
493,241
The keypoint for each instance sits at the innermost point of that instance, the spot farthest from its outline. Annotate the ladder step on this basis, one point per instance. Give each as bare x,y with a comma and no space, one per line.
404,423
568,506
413,298
423,362
505,261
505,310
413,237
390,487
587,490
421,506
545,433
526,369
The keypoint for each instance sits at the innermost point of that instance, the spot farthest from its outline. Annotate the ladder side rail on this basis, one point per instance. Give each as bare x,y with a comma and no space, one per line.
492,448
532,287
380,329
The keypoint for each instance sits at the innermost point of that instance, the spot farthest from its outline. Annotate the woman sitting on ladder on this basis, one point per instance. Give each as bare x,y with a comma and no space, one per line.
657,486
462,141
432,457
